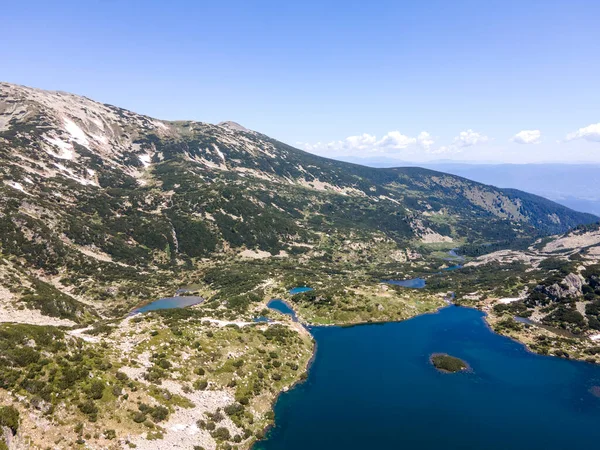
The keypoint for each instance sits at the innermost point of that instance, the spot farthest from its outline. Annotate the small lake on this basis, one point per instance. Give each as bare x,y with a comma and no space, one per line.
169,303
282,307
454,267
300,290
419,283
415,283
456,258
373,387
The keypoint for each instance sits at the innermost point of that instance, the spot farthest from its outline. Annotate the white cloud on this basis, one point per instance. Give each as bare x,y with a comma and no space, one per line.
464,139
469,138
590,133
425,140
364,144
395,139
368,143
527,137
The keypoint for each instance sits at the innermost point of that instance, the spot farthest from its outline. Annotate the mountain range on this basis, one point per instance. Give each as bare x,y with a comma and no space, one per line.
572,184
89,189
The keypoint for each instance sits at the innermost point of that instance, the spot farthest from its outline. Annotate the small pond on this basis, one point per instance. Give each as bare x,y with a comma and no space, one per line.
300,290
261,319
454,267
282,307
415,283
170,303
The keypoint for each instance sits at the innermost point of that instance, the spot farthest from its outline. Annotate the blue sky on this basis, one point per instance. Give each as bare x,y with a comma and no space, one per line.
410,80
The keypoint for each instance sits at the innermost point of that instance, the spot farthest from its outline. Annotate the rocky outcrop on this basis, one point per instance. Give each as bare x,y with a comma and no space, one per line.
570,287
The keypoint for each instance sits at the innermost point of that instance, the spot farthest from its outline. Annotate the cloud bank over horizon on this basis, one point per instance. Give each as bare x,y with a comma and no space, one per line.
467,144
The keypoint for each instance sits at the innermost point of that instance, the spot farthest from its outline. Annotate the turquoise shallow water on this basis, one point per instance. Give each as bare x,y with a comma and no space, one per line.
372,387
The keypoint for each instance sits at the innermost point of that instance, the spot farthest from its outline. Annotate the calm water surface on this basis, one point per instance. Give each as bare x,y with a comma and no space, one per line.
300,289
372,387
282,307
169,303
416,283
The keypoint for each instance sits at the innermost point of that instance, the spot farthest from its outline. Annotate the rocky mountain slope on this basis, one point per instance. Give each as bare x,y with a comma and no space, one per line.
92,191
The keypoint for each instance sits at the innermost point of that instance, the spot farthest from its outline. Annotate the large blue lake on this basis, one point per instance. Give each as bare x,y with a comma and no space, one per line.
372,387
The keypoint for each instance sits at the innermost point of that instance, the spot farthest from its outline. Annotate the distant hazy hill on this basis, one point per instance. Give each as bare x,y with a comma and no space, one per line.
574,185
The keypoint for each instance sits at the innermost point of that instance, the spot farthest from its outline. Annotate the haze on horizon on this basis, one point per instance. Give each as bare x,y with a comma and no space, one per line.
500,81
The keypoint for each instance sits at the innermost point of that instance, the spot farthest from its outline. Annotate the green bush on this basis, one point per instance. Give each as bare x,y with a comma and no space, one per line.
9,417
159,413
200,385
110,434
221,434
139,417
96,390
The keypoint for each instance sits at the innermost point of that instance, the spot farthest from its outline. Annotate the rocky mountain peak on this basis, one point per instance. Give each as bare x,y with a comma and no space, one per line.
234,126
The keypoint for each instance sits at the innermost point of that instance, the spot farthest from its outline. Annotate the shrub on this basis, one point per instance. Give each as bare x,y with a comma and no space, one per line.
96,390
217,416
159,413
233,409
9,417
110,434
121,376
139,417
221,433
200,385
164,364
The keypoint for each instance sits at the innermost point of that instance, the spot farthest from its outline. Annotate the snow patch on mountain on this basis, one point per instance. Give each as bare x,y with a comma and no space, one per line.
76,133
17,186
219,152
65,150
145,159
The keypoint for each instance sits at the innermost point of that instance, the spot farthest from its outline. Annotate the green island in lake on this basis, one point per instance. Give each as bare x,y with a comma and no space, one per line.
448,364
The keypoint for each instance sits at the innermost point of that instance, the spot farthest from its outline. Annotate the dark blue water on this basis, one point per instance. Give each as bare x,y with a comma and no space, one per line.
372,387
282,307
416,283
300,289
169,303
